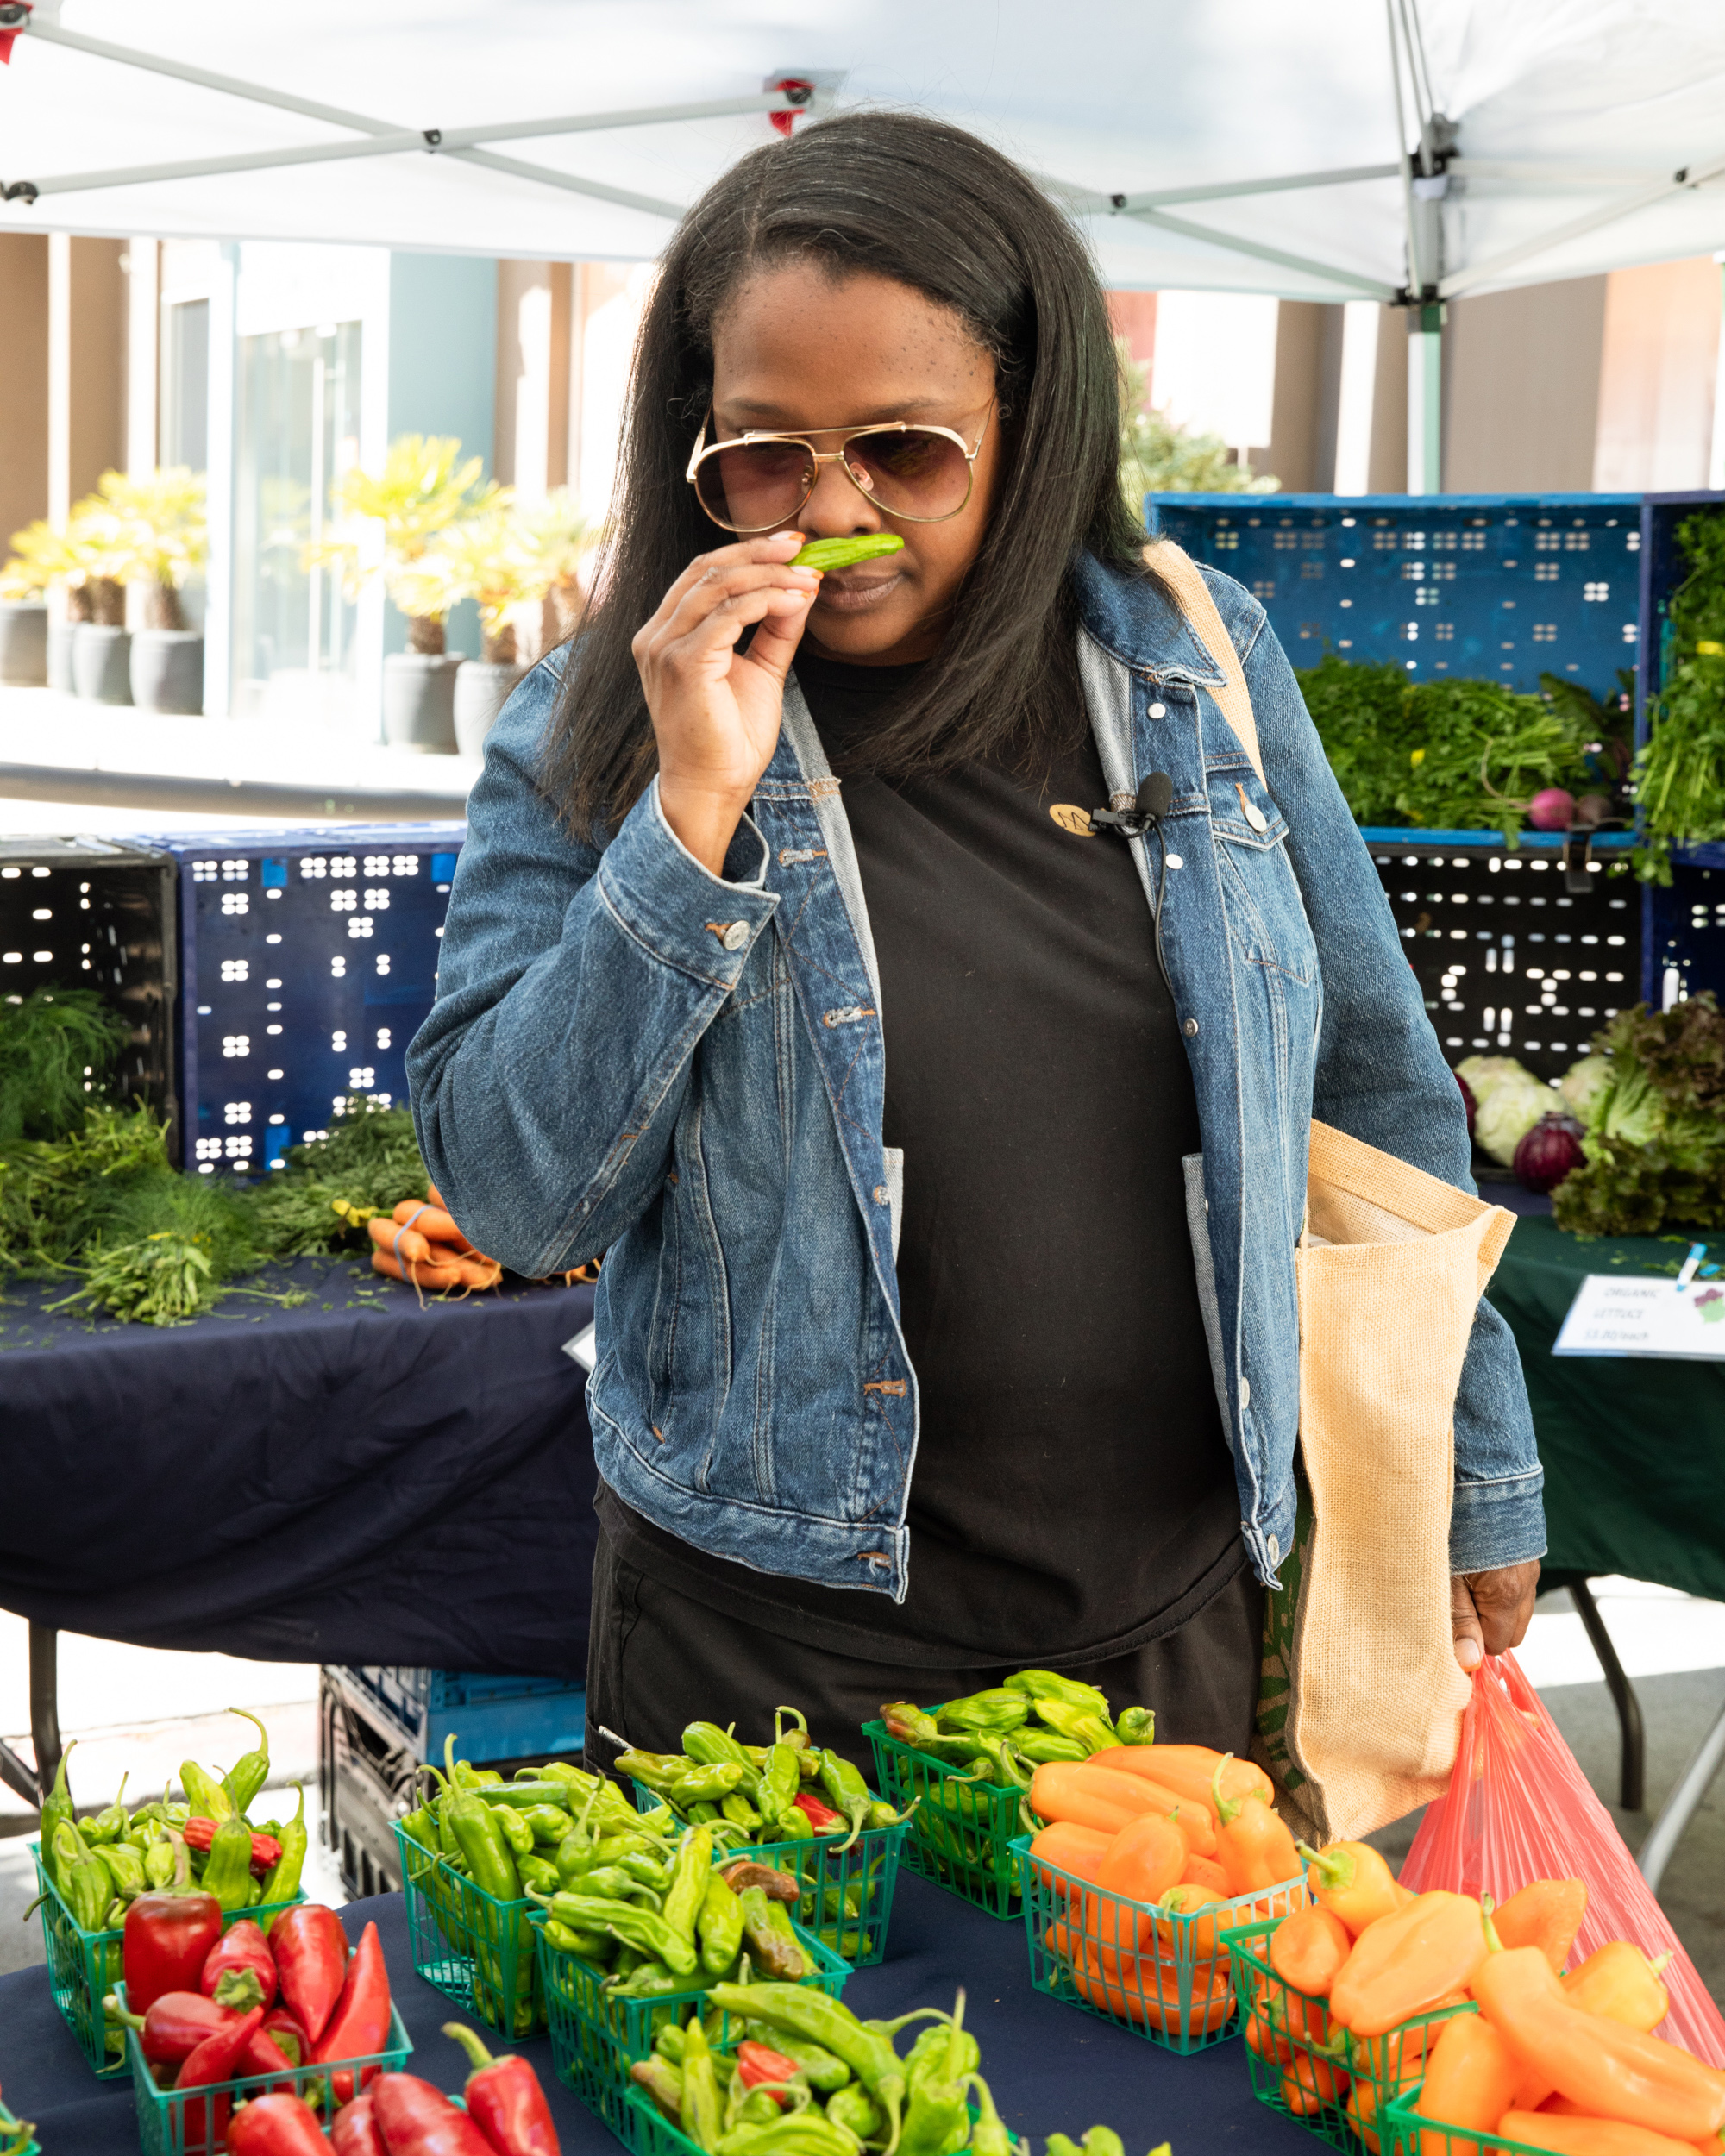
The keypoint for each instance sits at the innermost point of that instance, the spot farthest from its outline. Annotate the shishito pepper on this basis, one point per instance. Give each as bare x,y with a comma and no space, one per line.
1095,1732
993,1713
227,1869
796,2011
56,1806
840,554
937,2098
245,1779
282,1883
719,1923
86,1885
111,1821
640,1928
206,1796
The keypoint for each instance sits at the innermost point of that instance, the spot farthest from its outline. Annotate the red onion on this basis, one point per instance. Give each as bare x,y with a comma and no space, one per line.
1548,1152
1467,1099
1551,810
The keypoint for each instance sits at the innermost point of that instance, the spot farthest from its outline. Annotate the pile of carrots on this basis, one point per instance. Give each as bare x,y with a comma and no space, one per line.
420,1243
1177,1840
1556,2062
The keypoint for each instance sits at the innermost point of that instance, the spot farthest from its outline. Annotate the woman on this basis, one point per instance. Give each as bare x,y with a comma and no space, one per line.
946,1149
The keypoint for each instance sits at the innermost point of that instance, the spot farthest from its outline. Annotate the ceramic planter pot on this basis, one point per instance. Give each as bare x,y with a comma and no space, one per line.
482,688
419,702
167,669
23,643
61,637
101,663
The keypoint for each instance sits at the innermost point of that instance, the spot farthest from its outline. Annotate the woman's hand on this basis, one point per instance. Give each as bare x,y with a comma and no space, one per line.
715,710
1489,1612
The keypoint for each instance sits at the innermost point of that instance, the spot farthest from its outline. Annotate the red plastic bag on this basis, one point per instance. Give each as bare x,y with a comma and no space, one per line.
1518,1808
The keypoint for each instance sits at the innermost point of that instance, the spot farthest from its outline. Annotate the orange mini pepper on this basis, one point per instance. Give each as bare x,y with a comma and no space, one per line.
1077,1851
1056,1794
1619,1982
1206,1872
1406,1964
1195,1940
1252,1846
1310,2083
1611,2071
1362,2112
1546,1914
1588,2136
1188,1770
1306,1949
1351,1879
1470,2080
1144,1858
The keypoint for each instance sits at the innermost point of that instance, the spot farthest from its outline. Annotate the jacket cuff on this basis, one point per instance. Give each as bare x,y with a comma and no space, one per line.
677,910
1497,1523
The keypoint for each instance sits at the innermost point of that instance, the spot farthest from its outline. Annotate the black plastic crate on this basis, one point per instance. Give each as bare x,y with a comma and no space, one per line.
308,959
366,1777
492,1717
89,912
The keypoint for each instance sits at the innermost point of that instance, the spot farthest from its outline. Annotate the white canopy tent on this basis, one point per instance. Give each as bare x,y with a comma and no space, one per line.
1343,149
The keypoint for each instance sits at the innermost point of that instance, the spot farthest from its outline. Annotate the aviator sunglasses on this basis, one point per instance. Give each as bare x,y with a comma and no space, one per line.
760,480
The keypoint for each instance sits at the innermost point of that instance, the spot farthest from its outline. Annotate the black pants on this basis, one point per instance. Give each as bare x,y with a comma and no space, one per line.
657,1661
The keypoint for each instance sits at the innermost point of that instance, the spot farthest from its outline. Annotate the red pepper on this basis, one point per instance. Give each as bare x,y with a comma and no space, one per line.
311,1962
176,2024
355,2132
282,2029
265,2056
360,2024
216,2059
266,1849
417,2120
276,2124
759,2066
168,1937
244,1949
821,1817
505,2100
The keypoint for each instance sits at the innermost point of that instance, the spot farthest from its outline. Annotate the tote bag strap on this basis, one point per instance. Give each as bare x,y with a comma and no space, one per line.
1181,573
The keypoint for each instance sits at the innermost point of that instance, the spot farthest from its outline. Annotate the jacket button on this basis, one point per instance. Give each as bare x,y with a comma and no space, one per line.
1273,1543
1158,710
736,936
882,1195
1190,1028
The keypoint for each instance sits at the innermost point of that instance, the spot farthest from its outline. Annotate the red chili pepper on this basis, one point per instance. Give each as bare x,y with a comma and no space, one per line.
417,2120
176,2024
759,2066
505,2100
216,2059
168,1937
276,2124
266,1849
360,2024
354,2130
311,1952
244,1950
821,1817
281,2027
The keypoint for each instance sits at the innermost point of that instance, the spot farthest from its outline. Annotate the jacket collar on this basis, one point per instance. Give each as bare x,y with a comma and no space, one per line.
1136,620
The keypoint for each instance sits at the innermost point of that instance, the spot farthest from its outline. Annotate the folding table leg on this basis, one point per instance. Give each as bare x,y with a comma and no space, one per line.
1635,1757
1680,1807
18,1777
45,1702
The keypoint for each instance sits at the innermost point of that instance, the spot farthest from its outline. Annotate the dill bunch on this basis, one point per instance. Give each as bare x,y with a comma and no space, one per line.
370,1160
51,1188
57,1046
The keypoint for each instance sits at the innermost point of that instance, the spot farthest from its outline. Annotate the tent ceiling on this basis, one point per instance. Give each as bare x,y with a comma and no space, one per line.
1592,133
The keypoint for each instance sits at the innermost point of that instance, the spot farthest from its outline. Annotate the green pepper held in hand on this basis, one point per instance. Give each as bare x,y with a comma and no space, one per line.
250,1771
840,554
283,1882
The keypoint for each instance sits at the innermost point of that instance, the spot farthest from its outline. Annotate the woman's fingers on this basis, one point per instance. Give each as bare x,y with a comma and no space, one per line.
775,552
723,591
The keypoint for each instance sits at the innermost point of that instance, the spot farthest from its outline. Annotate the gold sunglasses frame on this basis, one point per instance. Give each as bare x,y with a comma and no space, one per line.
704,449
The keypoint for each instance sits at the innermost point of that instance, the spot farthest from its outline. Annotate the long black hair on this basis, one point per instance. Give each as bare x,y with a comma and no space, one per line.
899,196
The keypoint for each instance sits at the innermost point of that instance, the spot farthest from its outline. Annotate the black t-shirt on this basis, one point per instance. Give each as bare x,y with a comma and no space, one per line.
1071,1482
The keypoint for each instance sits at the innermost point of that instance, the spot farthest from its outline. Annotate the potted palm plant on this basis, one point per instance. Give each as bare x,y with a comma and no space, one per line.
562,539
422,489
95,604
161,542
39,557
488,557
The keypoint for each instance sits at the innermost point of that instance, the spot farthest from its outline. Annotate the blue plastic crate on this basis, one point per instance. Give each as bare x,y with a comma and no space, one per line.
307,960
1497,586
491,1717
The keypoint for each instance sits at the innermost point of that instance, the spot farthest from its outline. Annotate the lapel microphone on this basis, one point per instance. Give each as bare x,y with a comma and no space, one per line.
1155,798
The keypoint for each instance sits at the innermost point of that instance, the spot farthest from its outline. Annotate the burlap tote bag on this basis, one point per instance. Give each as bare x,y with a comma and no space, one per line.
1361,1694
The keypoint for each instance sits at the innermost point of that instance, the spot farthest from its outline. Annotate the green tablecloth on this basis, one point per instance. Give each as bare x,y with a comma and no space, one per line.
1634,1449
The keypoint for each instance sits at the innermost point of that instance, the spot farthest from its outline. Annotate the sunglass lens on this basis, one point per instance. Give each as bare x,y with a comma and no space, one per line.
920,473
752,485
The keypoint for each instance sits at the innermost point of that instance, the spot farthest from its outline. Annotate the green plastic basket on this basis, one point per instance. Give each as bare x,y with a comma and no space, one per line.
474,1949
9,2123
1356,2081
596,2036
643,2129
1406,2133
1164,1977
847,1894
170,2124
83,1967
962,1832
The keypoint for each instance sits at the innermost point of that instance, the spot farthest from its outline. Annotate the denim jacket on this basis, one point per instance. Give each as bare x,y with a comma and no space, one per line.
630,1055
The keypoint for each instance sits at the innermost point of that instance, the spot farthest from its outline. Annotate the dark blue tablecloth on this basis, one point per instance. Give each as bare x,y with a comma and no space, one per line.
1052,2068
356,1479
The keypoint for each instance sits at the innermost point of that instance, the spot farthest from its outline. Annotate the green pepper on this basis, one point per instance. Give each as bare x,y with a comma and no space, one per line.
208,1798
283,1883
1040,1746
702,1815
1137,1725
645,1870
847,1791
516,1831
86,1883
710,1746
612,1883
159,1865
1101,2140
823,2070
778,1781
911,1726
988,1714
663,2082
125,1866
793,1958
591,1947
479,1837
111,1822
519,1795
840,554
688,1881
227,1868
720,1925
937,2102
792,2133
771,1948
549,1822
700,2119
538,1871
56,1806
652,1980
639,1928
705,1785
246,1778
738,1809
855,2110
792,1824
1050,1684
1090,1729
988,2134
751,2106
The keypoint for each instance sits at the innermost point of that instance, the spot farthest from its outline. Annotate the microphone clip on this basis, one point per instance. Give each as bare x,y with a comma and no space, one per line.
1132,815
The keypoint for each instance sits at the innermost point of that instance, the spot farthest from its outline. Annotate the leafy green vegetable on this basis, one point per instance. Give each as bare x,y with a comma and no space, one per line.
57,1046
370,1160
1680,773
1655,1139
164,1280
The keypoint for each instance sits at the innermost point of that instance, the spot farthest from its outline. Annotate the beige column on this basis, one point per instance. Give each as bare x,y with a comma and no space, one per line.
142,262
87,339
531,450
1522,389
1656,377
24,370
